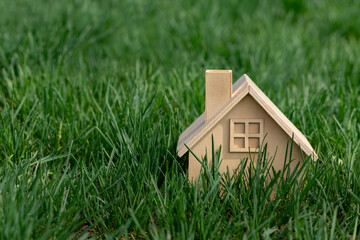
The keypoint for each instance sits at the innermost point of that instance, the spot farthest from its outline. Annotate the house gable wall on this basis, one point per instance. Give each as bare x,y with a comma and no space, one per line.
247,108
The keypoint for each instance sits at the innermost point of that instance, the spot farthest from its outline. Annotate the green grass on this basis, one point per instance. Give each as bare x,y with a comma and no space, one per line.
94,95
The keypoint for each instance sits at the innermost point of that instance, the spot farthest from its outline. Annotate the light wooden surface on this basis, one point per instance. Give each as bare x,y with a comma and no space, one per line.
247,104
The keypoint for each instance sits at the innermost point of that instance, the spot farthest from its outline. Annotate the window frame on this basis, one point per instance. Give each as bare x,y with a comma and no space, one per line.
246,135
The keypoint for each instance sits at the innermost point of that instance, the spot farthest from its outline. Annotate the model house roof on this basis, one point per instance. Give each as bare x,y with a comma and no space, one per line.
241,88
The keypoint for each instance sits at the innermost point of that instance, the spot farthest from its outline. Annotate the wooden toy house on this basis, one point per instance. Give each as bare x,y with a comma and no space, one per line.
239,116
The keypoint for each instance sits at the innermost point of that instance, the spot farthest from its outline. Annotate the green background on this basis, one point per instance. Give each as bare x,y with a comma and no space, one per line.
94,95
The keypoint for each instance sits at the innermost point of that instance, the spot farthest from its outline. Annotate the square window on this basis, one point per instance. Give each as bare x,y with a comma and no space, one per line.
246,134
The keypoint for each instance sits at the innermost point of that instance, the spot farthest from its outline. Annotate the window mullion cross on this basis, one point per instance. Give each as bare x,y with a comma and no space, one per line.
245,134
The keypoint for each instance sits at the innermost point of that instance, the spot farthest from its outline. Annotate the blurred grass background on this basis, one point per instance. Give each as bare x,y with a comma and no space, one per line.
94,95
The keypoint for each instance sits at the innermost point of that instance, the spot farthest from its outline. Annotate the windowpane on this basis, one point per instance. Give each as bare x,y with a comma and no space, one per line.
254,142
239,142
254,128
239,127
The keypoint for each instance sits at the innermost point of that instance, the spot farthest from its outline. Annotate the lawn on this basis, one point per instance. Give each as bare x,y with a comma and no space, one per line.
94,95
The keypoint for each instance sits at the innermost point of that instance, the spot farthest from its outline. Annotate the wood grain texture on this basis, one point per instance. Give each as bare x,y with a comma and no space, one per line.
241,88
